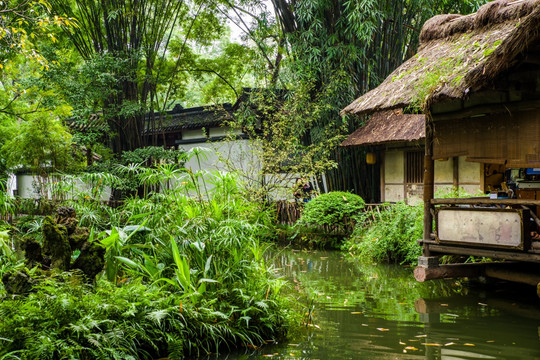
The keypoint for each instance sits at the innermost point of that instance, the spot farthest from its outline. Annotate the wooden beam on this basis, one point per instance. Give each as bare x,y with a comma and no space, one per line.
469,251
455,175
429,177
487,109
514,275
422,274
485,201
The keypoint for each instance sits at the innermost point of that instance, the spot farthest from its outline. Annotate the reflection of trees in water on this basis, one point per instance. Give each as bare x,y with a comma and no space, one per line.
368,311
334,280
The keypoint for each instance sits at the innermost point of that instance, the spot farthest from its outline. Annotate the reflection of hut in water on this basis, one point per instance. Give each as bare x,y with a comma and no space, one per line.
477,80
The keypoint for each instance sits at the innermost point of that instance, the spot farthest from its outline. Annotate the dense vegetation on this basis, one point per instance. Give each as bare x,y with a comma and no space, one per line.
389,234
183,275
83,83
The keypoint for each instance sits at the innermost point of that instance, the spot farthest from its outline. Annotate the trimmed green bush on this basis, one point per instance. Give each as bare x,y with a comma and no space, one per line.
335,208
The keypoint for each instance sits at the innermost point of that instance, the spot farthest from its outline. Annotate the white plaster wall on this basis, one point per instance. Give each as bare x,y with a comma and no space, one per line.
393,167
415,200
193,134
224,131
394,193
27,190
394,177
224,156
444,172
469,172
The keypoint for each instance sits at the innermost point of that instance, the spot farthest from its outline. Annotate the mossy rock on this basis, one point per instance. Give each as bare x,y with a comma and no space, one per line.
91,260
18,282
67,216
32,251
78,238
56,244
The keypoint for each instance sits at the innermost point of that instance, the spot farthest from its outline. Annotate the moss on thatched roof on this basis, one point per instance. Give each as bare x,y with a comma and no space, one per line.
388,127
457,54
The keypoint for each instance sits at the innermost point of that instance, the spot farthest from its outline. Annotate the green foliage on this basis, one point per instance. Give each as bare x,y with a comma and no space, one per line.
334,208
65,318
184,275
41,144
391,237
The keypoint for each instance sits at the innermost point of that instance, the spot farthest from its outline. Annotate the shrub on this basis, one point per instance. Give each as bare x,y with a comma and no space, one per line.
392,237
334,208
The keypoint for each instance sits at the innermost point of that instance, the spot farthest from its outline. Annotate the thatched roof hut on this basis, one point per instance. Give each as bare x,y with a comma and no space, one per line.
457,54
388,127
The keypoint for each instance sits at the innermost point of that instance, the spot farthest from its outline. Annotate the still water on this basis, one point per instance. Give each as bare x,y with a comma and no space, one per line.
360,311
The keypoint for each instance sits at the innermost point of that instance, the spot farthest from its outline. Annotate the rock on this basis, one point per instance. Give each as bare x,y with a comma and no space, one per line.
91,260
17,282
67,216
32,251
56,244
78,238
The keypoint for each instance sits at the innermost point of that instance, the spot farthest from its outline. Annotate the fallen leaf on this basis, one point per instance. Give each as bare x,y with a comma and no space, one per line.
356,312
383,329
411,348
431,344
469,344
419,336
450,343
482,304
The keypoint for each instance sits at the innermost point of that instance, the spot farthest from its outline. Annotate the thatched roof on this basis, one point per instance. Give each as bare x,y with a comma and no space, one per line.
457,54
388,127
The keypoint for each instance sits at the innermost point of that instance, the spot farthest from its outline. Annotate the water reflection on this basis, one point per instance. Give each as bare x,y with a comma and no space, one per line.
380,312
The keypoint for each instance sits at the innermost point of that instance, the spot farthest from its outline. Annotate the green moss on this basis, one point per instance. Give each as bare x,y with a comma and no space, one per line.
56,244
32,251
91,260
79,236
491,48
17,282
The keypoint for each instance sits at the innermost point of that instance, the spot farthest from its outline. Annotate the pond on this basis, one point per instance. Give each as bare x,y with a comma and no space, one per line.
359,311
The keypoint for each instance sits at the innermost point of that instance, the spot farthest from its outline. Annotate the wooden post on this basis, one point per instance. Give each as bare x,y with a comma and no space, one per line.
428,182
455,164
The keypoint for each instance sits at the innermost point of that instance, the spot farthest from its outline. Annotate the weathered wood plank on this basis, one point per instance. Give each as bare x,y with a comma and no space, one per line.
485,201
490,253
